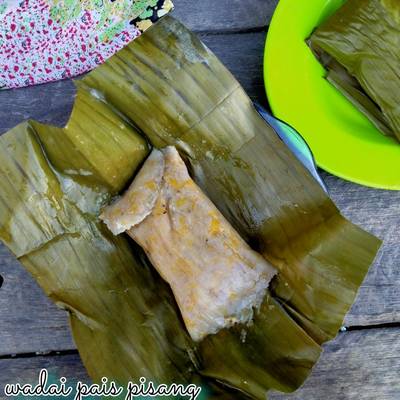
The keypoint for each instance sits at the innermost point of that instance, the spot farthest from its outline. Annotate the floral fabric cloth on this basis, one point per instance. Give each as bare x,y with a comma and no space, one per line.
48,40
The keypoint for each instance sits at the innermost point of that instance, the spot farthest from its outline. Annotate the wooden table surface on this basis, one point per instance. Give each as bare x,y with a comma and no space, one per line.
362,363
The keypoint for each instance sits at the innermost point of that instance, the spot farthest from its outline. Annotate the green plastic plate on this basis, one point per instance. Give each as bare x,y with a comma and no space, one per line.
343,140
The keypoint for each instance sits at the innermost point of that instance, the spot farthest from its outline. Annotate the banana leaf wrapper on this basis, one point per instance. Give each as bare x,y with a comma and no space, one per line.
167,88
359,47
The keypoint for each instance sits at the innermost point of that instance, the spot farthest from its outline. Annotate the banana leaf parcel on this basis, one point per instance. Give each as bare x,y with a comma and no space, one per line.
167,88
359,47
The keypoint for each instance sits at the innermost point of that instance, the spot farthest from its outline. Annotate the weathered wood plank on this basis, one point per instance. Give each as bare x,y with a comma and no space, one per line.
51,103
224,15
362,365
30,322
26,370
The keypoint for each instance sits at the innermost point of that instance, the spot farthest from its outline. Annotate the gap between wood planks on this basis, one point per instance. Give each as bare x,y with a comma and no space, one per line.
59,353
233,31
390,325
53,353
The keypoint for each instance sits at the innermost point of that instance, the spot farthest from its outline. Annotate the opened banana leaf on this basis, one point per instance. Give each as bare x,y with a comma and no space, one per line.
167,88
359,47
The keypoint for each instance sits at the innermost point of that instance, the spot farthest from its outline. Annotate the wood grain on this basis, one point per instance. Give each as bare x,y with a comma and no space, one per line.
362,365
30,322
26,370
224,15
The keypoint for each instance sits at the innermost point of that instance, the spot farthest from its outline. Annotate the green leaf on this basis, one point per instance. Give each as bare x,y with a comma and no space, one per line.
359,46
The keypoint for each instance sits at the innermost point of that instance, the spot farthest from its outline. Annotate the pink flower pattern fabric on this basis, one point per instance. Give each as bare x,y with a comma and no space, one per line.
48,40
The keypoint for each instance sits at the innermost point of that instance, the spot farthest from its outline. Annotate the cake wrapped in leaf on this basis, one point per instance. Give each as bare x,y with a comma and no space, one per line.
359,47
217,279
